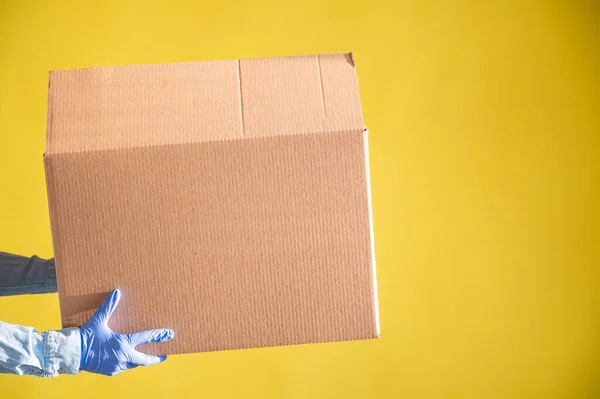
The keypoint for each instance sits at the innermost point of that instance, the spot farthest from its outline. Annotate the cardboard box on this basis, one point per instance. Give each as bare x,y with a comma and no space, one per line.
229,200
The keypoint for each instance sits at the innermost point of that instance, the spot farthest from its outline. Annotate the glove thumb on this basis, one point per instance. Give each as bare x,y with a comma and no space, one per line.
108,307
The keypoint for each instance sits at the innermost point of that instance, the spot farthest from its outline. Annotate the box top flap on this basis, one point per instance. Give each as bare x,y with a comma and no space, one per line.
146,105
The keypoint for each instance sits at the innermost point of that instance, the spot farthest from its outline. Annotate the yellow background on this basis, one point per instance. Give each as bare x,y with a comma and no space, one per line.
484,122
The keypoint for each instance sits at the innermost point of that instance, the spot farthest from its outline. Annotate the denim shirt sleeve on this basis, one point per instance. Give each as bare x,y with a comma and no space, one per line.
26,275
24,351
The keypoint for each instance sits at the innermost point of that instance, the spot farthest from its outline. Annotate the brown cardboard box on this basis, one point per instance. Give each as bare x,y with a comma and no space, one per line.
229,200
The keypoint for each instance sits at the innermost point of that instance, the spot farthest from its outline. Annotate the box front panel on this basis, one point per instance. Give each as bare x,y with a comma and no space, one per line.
233,244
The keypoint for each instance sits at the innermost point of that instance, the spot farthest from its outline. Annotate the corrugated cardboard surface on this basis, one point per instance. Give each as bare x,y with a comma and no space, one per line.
229,200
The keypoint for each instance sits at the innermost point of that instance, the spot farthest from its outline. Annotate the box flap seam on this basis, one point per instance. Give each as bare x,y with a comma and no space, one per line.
346,131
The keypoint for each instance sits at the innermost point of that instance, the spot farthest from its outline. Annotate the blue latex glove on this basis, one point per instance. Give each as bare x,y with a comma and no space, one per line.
106,352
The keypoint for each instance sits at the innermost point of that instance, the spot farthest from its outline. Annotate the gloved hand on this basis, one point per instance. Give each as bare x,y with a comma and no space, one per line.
106,352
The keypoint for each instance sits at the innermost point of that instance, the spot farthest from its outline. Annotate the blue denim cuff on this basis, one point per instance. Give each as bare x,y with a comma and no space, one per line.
62,352
51,284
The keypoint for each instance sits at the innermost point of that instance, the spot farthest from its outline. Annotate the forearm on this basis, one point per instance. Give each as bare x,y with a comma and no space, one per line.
24,351
26,275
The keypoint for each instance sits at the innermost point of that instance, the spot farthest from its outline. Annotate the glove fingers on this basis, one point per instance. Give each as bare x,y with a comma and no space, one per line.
108,306
145,337
141,359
